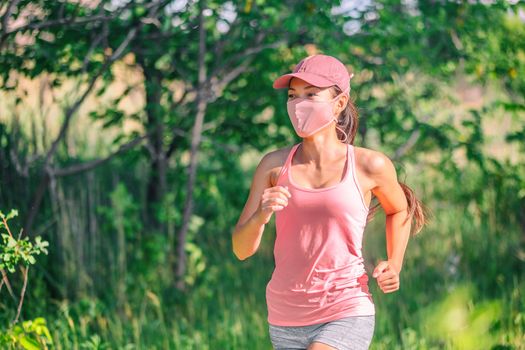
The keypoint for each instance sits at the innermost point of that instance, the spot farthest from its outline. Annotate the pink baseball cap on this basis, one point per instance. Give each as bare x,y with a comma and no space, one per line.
319,70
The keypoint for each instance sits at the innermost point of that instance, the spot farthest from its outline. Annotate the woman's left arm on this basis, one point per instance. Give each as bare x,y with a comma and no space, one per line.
393,200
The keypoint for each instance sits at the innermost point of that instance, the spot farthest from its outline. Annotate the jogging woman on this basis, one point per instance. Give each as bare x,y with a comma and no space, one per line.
320,190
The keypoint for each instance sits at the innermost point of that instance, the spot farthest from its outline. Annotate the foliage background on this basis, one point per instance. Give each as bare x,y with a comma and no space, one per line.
129,133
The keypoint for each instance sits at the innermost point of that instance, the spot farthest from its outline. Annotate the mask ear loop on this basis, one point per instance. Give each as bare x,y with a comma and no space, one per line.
344,133
337,120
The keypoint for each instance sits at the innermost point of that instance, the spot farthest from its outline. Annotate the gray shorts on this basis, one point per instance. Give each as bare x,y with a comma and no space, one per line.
348,333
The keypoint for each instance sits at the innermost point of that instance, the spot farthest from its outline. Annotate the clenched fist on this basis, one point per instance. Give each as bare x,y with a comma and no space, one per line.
387,276
273,199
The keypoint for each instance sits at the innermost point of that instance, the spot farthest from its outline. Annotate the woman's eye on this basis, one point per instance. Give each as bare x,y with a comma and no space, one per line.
309,94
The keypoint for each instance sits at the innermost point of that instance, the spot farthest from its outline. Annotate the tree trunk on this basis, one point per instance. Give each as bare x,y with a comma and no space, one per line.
156,185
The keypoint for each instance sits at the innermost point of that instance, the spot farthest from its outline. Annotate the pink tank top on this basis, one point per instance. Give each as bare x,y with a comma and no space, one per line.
319,273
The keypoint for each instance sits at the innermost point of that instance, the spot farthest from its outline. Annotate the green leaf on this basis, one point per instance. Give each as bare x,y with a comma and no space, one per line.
29,344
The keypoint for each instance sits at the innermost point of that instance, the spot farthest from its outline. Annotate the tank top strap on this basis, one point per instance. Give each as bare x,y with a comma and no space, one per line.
354,175
288,162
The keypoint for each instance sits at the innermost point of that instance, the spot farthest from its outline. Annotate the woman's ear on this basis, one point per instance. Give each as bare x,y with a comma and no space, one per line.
341,104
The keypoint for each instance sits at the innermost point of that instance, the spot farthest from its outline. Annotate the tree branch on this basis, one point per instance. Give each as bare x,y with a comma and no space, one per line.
77,168
411,141
73,21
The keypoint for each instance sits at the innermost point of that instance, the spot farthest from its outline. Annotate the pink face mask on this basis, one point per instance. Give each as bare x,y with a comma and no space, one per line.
309,116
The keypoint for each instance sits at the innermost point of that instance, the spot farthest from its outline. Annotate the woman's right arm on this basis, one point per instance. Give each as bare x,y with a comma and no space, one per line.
262,201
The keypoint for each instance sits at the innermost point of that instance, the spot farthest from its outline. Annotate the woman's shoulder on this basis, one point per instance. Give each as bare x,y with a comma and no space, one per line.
372,161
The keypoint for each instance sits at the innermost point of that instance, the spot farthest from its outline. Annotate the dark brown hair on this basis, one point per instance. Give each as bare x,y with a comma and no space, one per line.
348,120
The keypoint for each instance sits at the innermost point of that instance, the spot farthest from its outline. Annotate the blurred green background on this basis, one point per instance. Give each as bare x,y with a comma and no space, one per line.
130,130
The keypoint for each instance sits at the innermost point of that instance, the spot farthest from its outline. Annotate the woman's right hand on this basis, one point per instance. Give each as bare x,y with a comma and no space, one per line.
273,199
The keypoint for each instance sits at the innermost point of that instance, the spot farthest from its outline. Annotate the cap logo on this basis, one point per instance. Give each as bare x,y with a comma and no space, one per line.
302,67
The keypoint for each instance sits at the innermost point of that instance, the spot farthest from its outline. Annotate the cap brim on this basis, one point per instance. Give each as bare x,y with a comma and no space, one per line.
314,79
